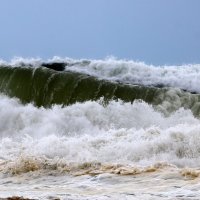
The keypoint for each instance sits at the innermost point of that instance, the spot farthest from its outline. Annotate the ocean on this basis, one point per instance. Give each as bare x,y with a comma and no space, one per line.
99,129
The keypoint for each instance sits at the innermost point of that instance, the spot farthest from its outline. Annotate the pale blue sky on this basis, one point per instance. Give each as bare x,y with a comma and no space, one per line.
154,31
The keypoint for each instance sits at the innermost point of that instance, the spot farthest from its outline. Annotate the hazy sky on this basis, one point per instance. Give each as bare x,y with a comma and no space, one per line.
154,31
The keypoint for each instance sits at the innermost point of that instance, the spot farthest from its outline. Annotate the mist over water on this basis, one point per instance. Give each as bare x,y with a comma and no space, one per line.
98,118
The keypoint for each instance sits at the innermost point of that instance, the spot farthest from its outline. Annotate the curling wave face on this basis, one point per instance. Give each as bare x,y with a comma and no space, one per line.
40,83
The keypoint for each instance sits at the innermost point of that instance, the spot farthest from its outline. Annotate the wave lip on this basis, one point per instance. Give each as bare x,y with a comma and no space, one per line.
186,77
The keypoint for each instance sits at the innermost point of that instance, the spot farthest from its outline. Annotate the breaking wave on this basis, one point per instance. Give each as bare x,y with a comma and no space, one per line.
98,116
65,81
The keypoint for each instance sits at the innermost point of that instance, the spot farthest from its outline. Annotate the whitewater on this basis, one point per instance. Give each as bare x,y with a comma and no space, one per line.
99,129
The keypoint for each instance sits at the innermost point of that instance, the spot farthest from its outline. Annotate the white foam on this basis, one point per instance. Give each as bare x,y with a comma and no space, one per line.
185,77
88,132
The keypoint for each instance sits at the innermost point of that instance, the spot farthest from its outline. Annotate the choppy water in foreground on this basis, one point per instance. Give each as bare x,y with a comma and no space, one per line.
99,129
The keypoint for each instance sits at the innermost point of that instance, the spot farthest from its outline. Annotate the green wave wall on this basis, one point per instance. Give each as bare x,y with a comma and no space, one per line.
46,87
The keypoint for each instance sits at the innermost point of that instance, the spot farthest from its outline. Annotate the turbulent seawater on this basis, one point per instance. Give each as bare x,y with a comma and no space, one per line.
99,129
